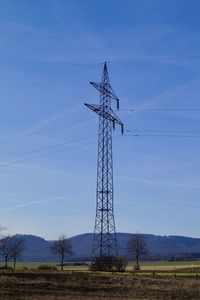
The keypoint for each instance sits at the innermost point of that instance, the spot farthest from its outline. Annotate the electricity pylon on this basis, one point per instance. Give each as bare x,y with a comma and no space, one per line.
104,240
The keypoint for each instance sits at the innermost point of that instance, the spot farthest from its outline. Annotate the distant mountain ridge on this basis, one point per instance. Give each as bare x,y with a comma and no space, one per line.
38,249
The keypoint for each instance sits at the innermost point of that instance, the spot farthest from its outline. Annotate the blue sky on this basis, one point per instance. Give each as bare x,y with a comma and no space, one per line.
49,51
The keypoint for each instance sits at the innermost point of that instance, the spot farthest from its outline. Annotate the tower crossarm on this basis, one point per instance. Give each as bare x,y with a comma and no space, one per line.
111,116
106,88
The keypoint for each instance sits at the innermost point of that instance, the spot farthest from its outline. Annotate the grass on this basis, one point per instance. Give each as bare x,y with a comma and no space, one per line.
90,286
166,266
29,265
148,269
155,281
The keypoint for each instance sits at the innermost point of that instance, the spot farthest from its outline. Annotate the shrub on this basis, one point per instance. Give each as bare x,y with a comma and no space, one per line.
46,268
108,264
121,263
136,268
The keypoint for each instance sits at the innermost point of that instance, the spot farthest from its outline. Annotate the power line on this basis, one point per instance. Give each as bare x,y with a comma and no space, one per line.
90,143
158,59
161,130
41,131
162,135
62,150
46,81
48,147
161,110
52,153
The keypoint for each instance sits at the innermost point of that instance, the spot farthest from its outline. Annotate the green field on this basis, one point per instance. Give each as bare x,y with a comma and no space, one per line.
161,268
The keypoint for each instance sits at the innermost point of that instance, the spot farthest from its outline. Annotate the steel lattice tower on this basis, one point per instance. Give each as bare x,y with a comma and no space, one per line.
104,240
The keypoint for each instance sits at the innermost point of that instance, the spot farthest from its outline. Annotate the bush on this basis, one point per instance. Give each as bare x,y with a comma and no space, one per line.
46,268
109,264
121,263
136,268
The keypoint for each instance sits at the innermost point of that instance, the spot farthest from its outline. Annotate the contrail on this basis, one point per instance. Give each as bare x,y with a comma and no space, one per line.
32,203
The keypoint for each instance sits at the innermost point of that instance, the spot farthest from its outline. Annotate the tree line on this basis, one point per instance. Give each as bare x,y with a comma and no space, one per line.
136,247
12,247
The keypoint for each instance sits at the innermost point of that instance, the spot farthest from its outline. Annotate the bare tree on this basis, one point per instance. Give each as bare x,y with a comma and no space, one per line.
5,247
17,246
11,247
137,247
61,248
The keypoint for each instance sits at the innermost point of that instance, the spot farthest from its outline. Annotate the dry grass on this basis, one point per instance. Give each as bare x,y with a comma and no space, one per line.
82,286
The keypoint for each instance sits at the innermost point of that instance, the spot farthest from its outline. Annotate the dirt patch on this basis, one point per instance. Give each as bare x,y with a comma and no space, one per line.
82,286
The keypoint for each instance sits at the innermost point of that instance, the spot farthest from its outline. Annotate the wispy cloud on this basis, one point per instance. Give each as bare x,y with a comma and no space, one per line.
174,95
15,26
33,203
157,182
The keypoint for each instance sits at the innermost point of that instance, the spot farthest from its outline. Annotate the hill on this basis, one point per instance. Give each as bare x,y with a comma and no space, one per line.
38,249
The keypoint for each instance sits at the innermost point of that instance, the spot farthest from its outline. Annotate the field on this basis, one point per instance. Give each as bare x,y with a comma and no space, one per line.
76,285
160,280
145,266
